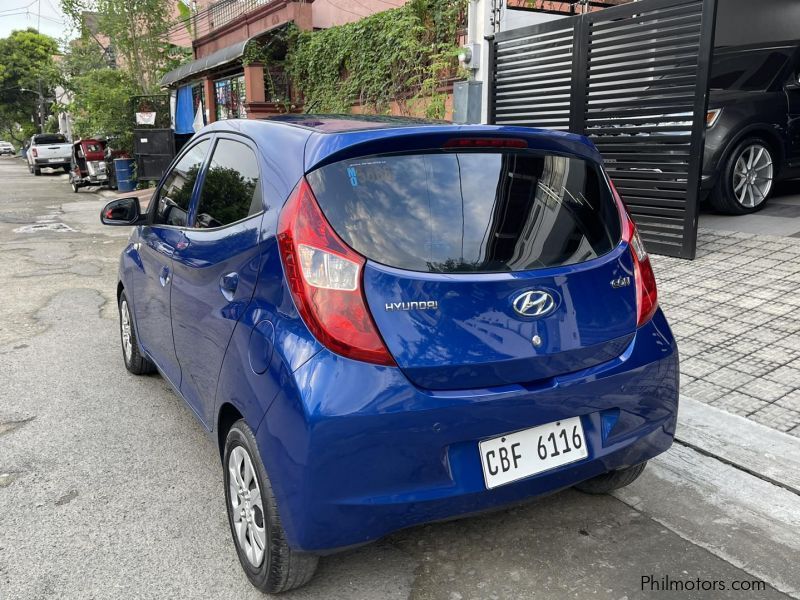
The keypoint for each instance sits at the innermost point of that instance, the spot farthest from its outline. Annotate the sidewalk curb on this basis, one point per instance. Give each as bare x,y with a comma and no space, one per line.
766,453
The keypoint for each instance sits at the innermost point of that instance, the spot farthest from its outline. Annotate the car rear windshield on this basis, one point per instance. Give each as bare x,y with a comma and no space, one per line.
474,212
53,138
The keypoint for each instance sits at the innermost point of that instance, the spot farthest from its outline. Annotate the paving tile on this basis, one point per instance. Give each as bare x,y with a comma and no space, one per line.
714,337
754,365
777,417
739,403
785,375
787,324
703,391
778,354
777,309
688,348
789,342
764,389
683,329
721,355
729,378
735,312
790,401
697,367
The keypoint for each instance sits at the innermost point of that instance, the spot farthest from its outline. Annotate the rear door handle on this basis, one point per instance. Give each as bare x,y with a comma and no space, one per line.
228,285
164,276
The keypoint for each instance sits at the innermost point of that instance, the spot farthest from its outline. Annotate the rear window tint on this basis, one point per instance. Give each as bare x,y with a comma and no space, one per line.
474,212
51,138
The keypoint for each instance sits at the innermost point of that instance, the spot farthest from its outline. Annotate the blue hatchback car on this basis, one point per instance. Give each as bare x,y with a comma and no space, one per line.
389,322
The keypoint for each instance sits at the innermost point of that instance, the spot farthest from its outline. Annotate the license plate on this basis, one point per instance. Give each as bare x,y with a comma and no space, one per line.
518,455
55,160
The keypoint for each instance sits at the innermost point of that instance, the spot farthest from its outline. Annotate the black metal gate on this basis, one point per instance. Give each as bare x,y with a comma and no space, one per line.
634,78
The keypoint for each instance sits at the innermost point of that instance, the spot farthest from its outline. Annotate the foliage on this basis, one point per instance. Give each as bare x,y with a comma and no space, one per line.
185,14
101,105
400,54
137,30
26,62
272,55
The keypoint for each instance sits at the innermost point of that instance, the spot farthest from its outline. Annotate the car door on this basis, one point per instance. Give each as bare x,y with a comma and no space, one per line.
793,96
215,267
158,239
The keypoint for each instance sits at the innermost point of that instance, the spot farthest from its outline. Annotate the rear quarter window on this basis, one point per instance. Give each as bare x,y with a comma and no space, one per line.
472,212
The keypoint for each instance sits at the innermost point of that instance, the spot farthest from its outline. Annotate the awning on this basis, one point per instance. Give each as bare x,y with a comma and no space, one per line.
212,61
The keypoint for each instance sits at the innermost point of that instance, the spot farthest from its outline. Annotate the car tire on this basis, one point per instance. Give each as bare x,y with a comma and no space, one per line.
747,178
614,480
37,171
275,567
67,169
135,362
75,187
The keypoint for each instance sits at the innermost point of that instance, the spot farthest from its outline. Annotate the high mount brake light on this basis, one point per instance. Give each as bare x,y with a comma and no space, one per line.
643,275
485,143
325,278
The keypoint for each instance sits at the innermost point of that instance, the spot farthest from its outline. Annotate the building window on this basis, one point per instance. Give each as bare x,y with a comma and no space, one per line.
230,98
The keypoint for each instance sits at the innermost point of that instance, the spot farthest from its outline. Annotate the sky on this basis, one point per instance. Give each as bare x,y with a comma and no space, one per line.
21,14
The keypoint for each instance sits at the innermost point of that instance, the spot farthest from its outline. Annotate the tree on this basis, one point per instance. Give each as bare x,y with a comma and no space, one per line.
138,30
26,63
101,105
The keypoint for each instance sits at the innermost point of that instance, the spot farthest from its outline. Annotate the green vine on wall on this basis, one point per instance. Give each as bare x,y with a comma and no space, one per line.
403,54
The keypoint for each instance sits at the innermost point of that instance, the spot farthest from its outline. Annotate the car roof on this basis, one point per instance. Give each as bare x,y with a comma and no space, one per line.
318,140
331,123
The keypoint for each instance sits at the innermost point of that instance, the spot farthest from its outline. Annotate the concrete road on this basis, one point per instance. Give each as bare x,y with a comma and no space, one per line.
109,487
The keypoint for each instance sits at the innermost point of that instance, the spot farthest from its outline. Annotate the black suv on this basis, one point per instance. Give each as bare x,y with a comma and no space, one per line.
753,137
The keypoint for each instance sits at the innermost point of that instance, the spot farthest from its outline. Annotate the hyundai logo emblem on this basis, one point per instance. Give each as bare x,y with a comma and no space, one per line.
534,303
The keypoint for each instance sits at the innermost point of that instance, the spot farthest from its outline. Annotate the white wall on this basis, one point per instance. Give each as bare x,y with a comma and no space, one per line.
513,19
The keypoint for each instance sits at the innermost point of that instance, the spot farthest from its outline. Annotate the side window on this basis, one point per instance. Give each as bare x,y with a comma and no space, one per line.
176,193
231,188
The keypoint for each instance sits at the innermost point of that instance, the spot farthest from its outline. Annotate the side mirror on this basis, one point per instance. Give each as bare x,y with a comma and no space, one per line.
125,211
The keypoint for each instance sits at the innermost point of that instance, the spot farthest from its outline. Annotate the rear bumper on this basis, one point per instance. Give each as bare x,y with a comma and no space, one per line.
45,162
356,452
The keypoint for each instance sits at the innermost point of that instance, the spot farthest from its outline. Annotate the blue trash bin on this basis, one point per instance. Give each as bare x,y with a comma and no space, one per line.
126,181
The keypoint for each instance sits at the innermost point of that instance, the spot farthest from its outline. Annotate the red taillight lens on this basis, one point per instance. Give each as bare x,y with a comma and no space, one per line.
324,275
643,276
34,152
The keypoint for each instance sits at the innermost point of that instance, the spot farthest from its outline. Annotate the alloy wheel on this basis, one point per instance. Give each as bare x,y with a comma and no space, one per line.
125,325
753,176
247,509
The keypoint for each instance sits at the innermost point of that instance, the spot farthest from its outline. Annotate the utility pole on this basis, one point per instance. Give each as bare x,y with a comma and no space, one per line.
41,107
39,93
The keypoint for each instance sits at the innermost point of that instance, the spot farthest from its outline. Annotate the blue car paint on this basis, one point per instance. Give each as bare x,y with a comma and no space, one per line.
435,349
354,450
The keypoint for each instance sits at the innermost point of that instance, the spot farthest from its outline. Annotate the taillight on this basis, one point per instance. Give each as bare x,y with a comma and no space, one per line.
325,278
643,276
35,154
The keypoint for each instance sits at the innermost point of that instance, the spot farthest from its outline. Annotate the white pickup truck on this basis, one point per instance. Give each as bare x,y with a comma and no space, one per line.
49,151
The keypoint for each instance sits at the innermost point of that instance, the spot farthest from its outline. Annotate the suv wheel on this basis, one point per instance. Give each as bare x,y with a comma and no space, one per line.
37,171
268,561
747,178
134,361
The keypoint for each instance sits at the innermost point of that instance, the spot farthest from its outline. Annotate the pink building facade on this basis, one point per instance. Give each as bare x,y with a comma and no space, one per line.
221,86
